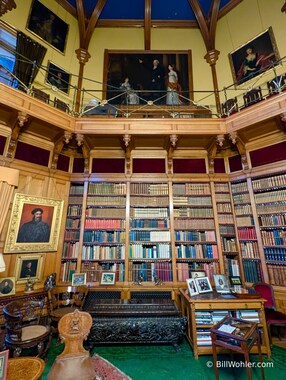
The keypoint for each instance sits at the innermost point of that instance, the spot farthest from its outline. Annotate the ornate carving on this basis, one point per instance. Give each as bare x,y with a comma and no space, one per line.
233,136
22,118
220,140
82,55
212,56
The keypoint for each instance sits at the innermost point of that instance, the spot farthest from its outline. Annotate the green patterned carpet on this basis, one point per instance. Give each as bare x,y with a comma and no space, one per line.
163,362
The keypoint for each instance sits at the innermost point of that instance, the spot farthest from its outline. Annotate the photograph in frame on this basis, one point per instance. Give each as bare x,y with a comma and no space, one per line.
7,286
235,280
221,283
78,279
107,278
48,26
4,356
192,286
29,267
58,78
198,273
34,224
203,284
254,57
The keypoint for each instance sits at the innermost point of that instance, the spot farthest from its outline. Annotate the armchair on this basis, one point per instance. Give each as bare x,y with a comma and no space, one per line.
273,317
64,300
27,330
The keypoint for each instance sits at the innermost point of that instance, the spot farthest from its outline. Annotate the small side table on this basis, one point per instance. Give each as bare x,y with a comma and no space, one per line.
236,335
25,368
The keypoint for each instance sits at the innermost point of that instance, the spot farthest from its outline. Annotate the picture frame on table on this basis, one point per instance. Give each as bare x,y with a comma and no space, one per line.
264,56
7,286
203,284
221,283
235,280
46,25
107,278
78,279
34,224
192,287
29,267
197,273
4,356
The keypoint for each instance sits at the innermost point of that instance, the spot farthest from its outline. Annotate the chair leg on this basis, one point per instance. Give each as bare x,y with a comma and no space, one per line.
269,334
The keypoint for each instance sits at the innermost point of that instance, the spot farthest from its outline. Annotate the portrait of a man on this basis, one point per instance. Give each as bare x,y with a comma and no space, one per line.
7,286
29,268
36,230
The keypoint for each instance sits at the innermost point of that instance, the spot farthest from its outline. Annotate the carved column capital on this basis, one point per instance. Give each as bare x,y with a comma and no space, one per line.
82,55
79,138
233,136
22,118
283,116
212,56
67,137
220,140
173,140
126,139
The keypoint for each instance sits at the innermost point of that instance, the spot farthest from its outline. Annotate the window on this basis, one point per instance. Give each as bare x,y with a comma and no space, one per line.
8,38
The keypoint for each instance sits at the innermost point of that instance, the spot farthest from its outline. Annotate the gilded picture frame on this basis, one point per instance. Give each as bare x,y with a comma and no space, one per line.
7,286
47,26
4,357
29,266
267,56
107,278
34,224
78,279
58,78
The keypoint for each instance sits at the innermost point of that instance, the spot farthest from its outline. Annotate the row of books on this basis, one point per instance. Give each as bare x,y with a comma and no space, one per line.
90,236
149,188
75,200
203,338
224,207
149,201
247,233
274,196
71,235
94,270
206,212
196,251
232,267
243,209
229,244
225,219
77,189
153,251
225,198
248,315
194,224
241,198
273,220
149,212
106,201
277,274
194,201
70,250
250,249
221,187
226,230
152,236
106,188
149,271
273,237
105,223
149,223
105,212
206,317
74,210
103,252
195,236
252,271
191,188
268,182
239,187
73,223
243,221
275,253
66,271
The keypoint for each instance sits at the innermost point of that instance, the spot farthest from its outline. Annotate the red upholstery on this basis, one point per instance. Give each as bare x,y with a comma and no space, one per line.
266,291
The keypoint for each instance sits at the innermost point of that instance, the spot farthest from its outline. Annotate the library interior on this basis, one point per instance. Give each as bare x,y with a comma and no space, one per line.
142,189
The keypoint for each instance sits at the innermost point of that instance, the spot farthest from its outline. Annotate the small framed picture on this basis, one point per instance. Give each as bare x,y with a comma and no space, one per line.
4,356
221,283
78,279
29,266
203,284
235,280
198,273
7,287
192,286
58,78
107,278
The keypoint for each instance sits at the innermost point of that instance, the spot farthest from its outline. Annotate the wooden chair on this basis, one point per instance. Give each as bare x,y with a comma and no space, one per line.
25,368
27,330
64,300
252,96
276,84
74,362
61,105
41,95
230,106
273,317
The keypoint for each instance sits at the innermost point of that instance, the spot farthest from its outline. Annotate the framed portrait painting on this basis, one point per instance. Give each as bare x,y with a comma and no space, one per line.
254,57
47,26
34,224
29,266
7,286
107,278
4,356
58,78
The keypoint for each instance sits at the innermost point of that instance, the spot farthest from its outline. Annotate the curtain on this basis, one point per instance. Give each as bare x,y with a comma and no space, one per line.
29,57
9,180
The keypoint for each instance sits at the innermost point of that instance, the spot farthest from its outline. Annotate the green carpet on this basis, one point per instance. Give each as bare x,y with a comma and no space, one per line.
163,362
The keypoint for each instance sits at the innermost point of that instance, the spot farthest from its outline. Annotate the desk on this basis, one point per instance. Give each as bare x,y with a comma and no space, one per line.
25,368
205,310
236,335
